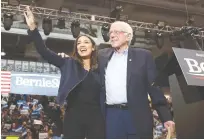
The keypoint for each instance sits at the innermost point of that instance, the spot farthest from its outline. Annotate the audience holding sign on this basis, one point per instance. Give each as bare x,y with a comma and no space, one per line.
26,118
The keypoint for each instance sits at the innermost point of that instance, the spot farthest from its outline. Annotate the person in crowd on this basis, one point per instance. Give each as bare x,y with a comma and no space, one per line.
29,134
13,127
79,85
127,75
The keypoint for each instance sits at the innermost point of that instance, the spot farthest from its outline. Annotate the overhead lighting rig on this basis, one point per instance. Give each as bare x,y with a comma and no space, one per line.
75,28
61,23
47,25
104,31
14,2
7,21
86,18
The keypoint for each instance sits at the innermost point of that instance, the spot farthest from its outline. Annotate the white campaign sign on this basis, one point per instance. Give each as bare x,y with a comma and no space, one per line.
34,83
43,135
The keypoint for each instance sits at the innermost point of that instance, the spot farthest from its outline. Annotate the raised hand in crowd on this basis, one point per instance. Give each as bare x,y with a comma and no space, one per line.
30,19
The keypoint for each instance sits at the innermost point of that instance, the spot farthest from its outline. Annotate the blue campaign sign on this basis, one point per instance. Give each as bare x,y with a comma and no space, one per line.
26,107
35,83
20,102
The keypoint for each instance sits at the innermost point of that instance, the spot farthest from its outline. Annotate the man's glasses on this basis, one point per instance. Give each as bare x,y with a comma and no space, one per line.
116,32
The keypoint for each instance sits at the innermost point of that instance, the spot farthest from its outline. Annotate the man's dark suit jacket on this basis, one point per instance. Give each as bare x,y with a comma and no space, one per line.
141,73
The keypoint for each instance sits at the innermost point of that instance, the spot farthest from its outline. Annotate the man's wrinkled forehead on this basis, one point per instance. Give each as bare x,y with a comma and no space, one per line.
117,27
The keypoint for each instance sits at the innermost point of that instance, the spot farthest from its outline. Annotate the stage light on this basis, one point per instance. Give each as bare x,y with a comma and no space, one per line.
159,34
93,18
47,26
187,31
14,2
61,23
3,53
116,12
160,24
104,31
75,28
133,38
148,34
159,39
7,21
190,21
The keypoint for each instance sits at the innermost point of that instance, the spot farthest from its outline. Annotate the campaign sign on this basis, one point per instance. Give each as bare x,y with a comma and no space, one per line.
33,83
192,65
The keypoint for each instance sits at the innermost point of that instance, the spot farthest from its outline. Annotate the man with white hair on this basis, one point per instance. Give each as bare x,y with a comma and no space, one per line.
127,77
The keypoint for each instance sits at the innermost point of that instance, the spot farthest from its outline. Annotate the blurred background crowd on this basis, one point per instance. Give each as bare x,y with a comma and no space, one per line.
28,117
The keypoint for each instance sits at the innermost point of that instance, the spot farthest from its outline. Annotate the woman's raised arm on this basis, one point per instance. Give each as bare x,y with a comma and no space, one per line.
46,53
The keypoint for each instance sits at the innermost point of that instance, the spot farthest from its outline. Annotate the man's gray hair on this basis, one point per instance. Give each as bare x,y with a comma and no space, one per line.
125,27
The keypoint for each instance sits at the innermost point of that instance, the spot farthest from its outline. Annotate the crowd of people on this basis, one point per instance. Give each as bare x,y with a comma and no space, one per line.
159,130
27,117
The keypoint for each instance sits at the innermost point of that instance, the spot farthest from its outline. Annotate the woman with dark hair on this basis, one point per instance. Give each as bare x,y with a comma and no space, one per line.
79,84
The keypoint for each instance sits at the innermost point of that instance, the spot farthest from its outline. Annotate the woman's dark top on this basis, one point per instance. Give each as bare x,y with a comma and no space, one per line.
86,94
